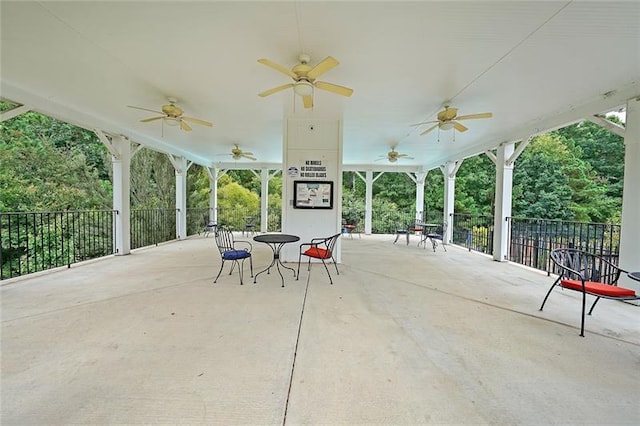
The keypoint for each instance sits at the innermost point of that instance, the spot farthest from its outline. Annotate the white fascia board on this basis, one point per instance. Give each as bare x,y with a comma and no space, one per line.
553,121
90,122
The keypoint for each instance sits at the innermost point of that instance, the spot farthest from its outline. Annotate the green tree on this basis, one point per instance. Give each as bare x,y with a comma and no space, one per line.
475,186
35,174
552,182
153,181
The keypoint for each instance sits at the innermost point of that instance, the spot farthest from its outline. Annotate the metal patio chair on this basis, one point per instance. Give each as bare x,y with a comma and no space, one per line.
588,273
319,248
229,251
436,235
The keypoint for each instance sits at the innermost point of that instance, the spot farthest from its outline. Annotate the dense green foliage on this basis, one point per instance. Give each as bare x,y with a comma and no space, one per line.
574,173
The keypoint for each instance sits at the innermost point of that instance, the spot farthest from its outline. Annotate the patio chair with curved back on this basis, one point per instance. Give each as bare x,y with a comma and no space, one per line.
230,251
319,248
349,227
249,225
437,234
403,230
208,226
588,273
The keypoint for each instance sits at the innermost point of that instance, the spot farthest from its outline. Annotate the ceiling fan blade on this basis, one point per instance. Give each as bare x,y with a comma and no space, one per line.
429,129
340,90
480,115
277,67
323,66
459,127
307,101
146,120
422,123
274,90
184,126
145,109
198,121
246,155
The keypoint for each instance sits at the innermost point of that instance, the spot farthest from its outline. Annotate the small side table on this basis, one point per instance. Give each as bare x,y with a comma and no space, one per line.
276,241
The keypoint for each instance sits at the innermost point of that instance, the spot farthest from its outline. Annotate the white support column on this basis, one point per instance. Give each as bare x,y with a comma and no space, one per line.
212,173
368,201
181,167
264,199
630,228
120,148
368,198
449,170
420,179
503,196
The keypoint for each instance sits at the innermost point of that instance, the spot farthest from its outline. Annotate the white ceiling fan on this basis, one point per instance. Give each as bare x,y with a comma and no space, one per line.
172,115
449,119
239,154
304,78
393,156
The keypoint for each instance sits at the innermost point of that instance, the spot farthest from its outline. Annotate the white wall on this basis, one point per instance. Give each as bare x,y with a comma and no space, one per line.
306,140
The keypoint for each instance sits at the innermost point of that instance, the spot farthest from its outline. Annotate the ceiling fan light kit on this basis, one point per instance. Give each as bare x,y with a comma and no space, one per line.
447,125
171,121
303,88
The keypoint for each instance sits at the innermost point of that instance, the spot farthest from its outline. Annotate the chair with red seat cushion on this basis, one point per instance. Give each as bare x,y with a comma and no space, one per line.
319,248
589,274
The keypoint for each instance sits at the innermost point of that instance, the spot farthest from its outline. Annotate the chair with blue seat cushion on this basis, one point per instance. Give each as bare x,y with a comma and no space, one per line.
403,230
209,226
230,251
436,234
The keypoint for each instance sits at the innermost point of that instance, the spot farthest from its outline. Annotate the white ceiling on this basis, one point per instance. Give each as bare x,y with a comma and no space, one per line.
535,65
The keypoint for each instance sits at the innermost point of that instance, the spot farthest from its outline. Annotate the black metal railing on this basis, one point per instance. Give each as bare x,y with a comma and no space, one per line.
152,226
531,240
387,221
37,241
474,232
197,217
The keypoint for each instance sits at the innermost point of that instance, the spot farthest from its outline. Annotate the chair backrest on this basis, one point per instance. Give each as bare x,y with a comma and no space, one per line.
207,222
580,265
224,240
331,242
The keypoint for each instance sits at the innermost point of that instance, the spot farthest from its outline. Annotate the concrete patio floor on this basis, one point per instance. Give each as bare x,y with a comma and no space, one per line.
404,336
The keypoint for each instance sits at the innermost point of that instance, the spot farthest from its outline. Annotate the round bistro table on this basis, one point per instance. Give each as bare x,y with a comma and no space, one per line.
276,242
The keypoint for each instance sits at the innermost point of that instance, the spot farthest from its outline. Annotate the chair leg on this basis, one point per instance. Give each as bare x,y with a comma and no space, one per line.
240,269
396,240
584,301
299,259
251,265
335,264
549,292
219,272
327,269
407,238
594,305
